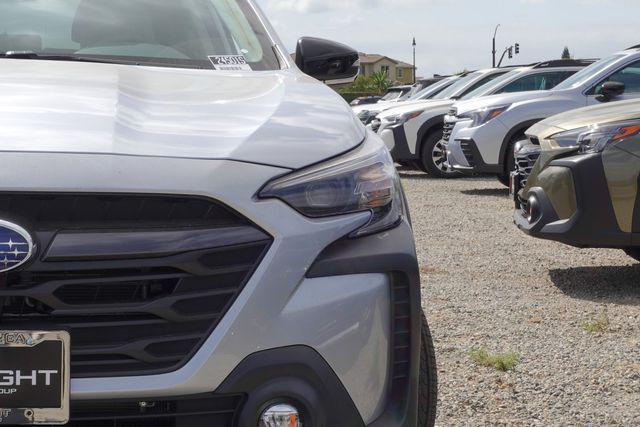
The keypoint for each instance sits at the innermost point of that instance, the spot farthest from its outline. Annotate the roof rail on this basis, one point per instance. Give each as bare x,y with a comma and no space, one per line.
633,47
565,63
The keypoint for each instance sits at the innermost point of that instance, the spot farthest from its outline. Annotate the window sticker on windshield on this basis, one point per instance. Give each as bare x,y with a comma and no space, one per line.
230,63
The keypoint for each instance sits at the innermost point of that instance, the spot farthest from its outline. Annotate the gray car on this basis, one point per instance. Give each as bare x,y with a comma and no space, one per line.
193,231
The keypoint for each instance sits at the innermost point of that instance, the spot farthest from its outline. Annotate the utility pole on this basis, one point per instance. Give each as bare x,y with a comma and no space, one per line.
414,60
494,45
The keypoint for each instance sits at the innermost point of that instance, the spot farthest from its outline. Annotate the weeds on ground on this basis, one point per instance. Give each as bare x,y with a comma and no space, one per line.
501,361
598,325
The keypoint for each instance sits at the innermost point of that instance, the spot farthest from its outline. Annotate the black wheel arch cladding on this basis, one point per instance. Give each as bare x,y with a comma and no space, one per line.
434,124
515,131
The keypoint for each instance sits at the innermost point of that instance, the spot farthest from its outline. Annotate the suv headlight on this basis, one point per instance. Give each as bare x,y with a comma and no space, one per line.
400,119
364,179
595,138
483,115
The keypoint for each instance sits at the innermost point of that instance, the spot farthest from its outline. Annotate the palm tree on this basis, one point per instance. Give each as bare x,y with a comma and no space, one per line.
380,81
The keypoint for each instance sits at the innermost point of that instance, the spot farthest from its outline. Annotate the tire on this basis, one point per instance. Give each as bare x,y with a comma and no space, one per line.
510,161
428,379
633,253
433,159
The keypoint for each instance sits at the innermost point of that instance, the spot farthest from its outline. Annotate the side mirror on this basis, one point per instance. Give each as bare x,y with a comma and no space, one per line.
327,61
610,90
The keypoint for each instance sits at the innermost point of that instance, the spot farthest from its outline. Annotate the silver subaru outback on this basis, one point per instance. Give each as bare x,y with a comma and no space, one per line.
194,231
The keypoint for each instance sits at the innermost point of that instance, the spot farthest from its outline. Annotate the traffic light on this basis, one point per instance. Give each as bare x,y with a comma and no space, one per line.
511,53
517,48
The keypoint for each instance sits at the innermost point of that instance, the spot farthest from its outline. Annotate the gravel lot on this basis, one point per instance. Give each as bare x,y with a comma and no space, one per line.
487,285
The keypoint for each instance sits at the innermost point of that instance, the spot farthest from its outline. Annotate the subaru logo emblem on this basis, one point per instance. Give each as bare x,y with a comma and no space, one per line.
16,246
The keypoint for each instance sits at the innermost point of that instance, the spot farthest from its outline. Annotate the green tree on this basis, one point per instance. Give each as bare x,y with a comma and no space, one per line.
380,81
565,53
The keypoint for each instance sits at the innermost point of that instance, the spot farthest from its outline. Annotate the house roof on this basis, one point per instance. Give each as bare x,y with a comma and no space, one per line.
372,58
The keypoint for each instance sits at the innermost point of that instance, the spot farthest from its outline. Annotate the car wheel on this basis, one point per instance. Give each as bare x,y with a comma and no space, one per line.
428,387
633,253
510,162
434,158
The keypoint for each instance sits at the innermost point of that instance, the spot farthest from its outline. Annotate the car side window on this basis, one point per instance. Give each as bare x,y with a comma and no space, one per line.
481,82
629,75
539,81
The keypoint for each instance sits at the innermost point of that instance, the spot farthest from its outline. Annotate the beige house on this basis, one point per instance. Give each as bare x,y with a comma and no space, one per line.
397,71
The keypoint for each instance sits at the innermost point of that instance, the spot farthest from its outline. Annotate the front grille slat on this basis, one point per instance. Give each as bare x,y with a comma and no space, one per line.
467,150
138,314
447,130
525,161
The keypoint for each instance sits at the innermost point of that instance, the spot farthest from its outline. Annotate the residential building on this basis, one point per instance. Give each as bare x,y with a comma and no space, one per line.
398,71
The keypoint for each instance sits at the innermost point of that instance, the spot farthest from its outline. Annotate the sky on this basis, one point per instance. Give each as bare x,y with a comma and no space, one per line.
456,35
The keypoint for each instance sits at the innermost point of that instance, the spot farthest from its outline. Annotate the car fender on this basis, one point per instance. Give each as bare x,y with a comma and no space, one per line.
434,123
521,116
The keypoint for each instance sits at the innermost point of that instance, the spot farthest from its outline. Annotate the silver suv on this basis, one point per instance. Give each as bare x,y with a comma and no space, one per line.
194,232
482,133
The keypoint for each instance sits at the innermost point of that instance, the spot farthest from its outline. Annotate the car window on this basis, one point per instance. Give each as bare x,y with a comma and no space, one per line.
538,81
629,75
481,83
432,90
457,86
586,73
391,95
177,32
495,83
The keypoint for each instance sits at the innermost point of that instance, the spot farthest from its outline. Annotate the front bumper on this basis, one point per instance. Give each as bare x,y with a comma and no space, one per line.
395,139
309,292
473,150
593,224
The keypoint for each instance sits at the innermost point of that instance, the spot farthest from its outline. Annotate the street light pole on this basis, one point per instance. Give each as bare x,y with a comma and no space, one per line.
414,60
494,45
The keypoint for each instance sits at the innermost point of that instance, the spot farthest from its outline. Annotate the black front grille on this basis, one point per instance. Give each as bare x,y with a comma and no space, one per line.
467,150
446,131
201,410
525,161
375,125
366,117
129,312
401,330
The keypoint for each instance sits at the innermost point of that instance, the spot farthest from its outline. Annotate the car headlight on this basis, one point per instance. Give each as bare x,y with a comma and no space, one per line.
483,115
400,119
594,138
364,179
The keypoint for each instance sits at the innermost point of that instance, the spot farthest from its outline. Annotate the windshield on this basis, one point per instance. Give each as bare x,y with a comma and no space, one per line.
581,76
391,95
182,33
493,85
457,86
432,90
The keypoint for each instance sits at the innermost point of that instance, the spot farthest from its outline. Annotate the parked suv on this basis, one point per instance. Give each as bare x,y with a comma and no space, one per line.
183,244
583,190
367,113
484,131
420,136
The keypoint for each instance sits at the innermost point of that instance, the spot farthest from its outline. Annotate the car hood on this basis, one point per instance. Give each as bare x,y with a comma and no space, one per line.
279,118
416,106
497,100
598,114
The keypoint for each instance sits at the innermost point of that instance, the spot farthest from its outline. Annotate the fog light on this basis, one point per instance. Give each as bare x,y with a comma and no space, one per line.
280,415
534,209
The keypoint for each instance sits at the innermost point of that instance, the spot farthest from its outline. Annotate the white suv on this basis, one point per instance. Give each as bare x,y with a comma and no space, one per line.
480,134
414,132
366,113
